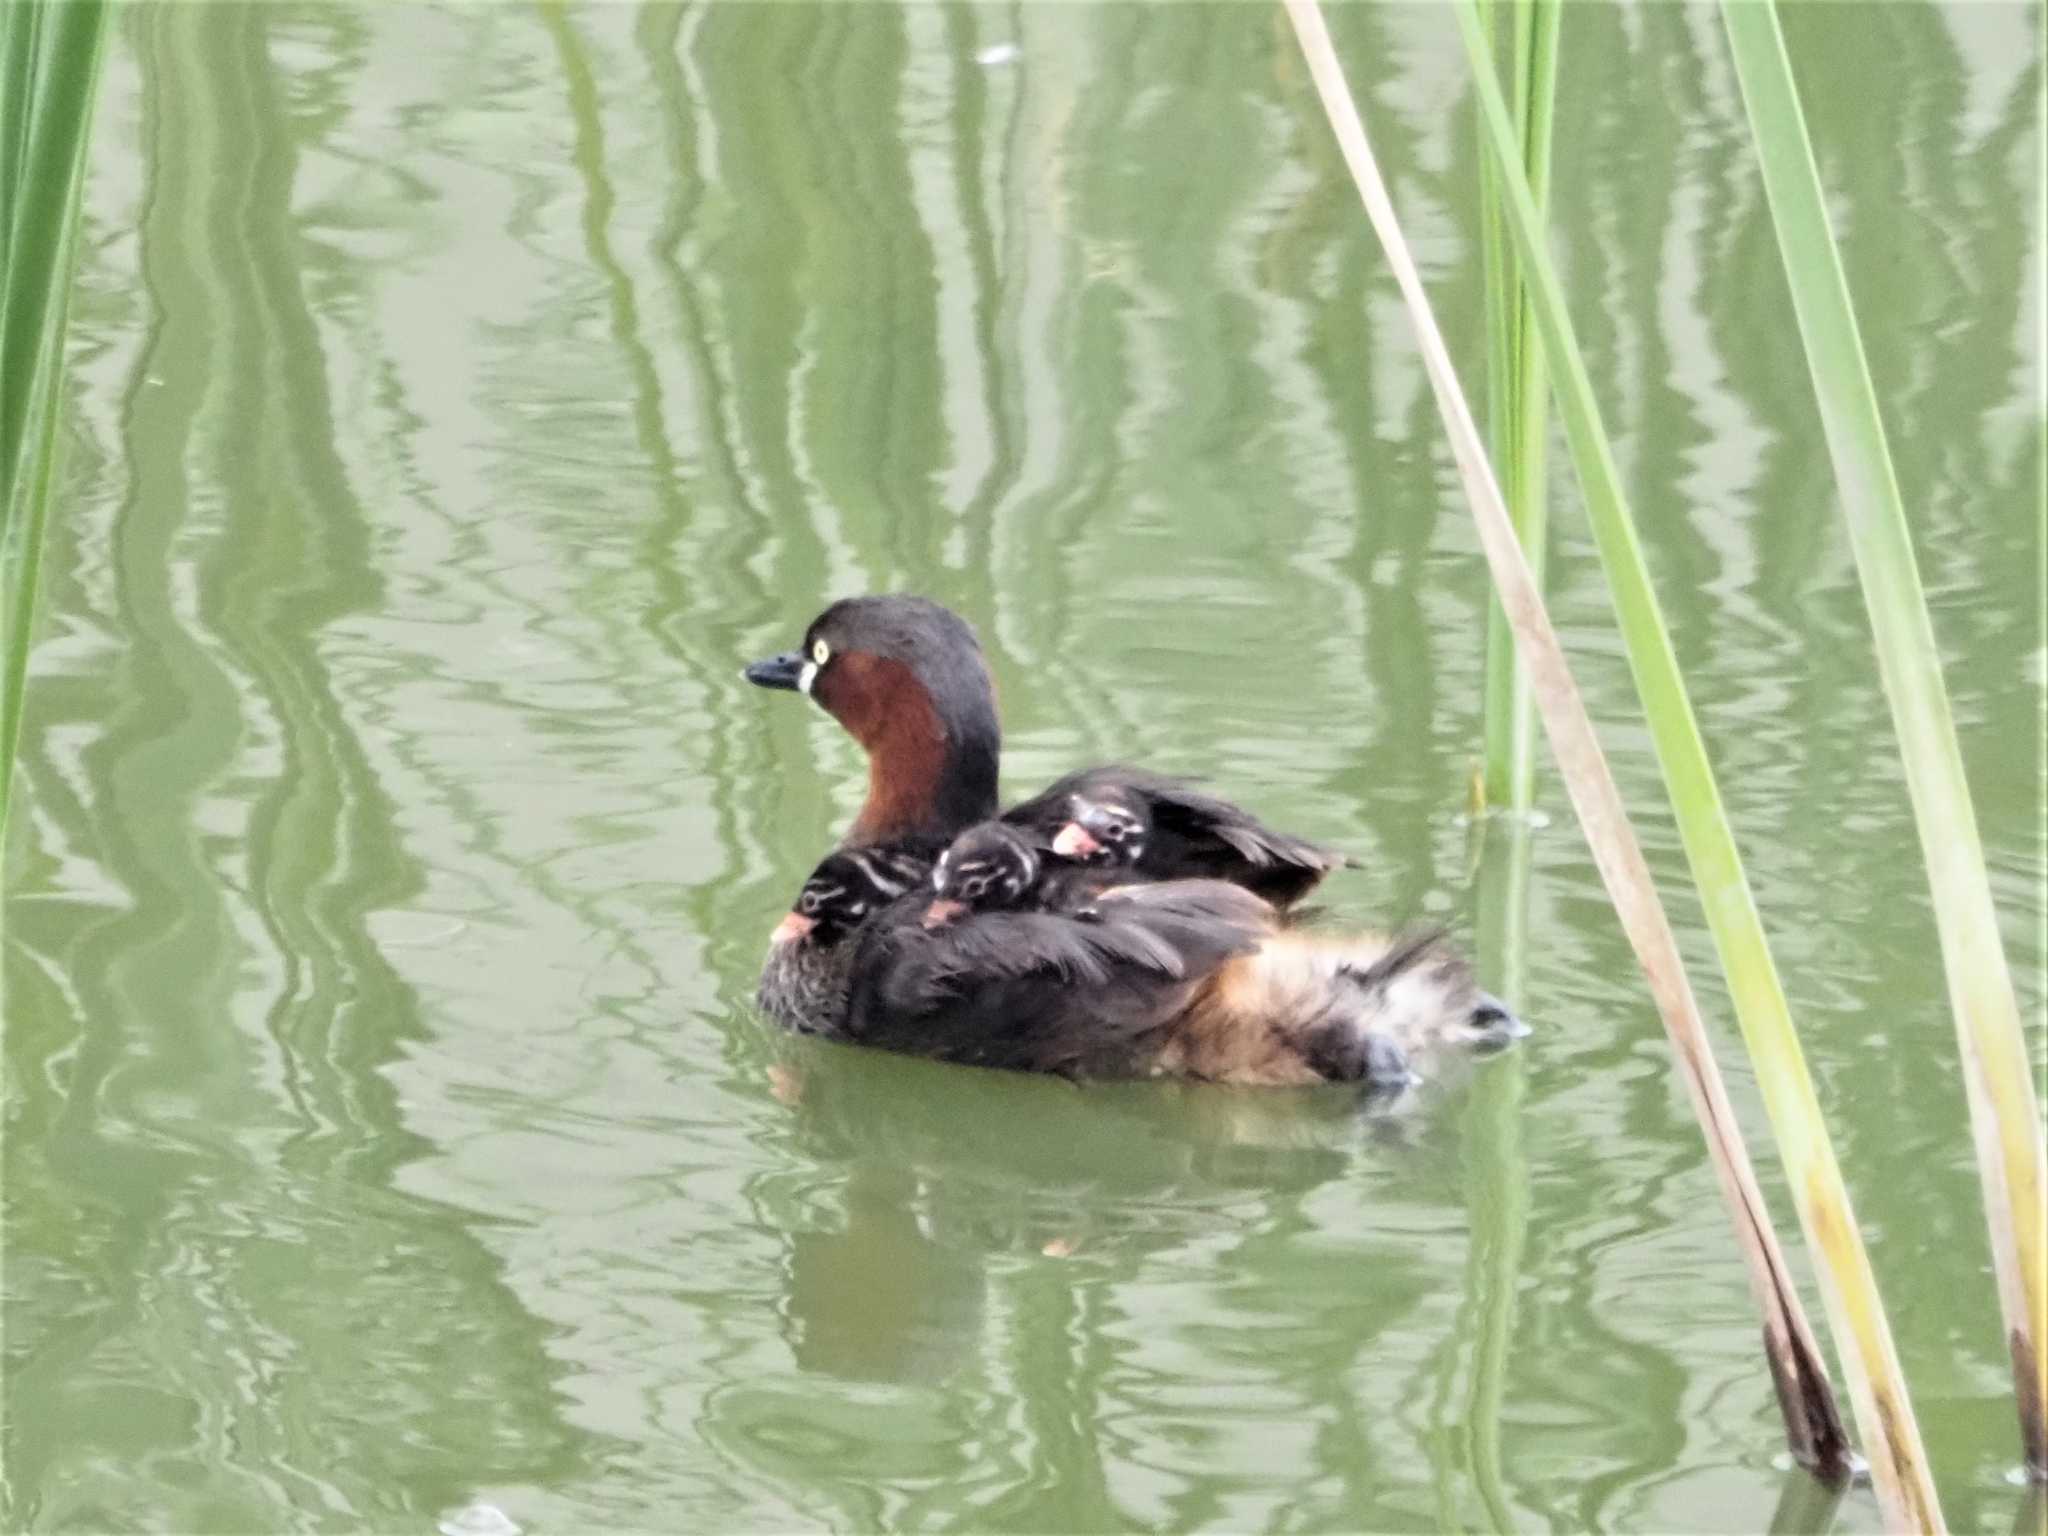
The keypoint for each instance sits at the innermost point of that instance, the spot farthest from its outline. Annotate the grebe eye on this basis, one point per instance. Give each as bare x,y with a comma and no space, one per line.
820,652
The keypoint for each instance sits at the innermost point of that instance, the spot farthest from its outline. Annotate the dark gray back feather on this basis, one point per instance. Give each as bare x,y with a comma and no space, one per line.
1088,994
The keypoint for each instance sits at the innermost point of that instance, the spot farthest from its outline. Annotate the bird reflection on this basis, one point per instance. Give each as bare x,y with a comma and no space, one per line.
879,1300
946,1169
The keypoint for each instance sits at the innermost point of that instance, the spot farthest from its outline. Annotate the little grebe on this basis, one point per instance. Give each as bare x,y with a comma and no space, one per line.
1121,923
1163,828
845,889
997,866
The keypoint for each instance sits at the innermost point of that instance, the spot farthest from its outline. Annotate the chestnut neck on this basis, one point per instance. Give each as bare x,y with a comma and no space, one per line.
932,756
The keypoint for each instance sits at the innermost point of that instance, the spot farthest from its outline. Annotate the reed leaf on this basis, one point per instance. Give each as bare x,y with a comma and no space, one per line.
1998,1077
1877,1386
49,62
1804,1395
1518,393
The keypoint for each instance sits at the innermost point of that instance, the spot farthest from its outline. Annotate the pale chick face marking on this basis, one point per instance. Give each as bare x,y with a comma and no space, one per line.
985,870
819,897
821,903
838,898
972,881
1100,832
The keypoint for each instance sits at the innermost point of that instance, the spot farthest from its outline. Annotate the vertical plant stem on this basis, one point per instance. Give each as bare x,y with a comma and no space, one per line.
49,62
1517,419
1506,689
1536,46
1804,1396
1997,1075
19,25
52,57
1877,1385
1518,399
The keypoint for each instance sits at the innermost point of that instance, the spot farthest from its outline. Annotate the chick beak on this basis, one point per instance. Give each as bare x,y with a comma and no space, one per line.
792,928
942,912
1075,841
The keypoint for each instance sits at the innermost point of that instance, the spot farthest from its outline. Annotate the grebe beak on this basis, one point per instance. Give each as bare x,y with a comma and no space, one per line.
792,928
1074,841
784,671
940,913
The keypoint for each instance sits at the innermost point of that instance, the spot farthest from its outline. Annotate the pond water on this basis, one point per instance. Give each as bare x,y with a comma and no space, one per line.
459,396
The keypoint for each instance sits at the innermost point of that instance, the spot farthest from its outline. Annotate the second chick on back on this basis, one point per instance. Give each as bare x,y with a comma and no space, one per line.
1159,827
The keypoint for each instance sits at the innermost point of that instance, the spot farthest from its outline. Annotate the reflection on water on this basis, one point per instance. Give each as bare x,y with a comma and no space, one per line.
460,394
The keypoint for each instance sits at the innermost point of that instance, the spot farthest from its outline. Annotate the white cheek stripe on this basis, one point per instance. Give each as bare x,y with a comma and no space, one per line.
808,676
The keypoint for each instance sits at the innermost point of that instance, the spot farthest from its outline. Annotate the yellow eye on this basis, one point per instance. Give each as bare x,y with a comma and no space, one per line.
820,652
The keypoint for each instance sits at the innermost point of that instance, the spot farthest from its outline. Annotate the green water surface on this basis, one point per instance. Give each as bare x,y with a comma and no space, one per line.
460,395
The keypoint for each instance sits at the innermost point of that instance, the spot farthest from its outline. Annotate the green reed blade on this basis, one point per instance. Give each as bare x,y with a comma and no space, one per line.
1506,688
1794,1358
1518,394
1877,1386
1998,1077
18,27
49,62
